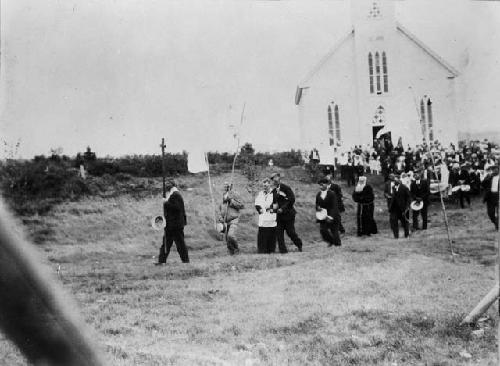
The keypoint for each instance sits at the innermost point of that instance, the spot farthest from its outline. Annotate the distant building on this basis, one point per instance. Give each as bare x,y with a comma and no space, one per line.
378,79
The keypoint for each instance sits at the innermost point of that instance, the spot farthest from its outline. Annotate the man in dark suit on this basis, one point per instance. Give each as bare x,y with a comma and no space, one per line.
398,203
329,226
420,192
285,215
175,216
491,187
340,203
464,180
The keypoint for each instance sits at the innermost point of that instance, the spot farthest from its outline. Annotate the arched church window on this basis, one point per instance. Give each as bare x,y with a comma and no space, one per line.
429,120
384,70
370,71
377,72
330,126
337,124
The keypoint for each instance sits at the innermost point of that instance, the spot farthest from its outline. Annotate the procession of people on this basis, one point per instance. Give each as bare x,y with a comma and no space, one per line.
411,178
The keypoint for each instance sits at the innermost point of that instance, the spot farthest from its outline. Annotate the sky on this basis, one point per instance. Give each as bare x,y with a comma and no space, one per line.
118,75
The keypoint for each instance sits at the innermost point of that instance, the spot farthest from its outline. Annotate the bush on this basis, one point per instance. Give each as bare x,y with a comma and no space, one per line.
34,186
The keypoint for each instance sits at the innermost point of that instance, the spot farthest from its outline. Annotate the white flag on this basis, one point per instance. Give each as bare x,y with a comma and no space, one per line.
197,162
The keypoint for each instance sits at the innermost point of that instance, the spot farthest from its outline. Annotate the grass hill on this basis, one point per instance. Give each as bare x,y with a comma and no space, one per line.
373,301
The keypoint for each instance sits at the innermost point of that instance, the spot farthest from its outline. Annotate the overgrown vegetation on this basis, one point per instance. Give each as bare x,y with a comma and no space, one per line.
35,186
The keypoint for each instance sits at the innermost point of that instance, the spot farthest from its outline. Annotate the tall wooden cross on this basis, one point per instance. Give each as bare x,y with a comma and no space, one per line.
163,165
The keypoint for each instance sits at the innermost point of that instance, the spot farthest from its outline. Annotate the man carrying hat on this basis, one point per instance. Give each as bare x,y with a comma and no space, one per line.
398,204
229,215
491,188
285,214
420,192
329,224
175,217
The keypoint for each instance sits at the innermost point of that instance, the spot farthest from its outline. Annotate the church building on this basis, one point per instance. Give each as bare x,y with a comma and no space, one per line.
378,80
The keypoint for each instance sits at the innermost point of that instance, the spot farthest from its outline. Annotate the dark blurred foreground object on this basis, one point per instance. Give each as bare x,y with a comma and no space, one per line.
35,313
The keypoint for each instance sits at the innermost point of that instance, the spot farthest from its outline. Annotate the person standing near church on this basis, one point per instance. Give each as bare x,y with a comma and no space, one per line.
264,204
229,215
285,215
329,225
491,188
398,202
420,191
175,217
340,202
464,182
364,197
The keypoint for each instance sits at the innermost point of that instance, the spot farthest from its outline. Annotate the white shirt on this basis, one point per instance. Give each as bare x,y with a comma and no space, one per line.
494,184
265,201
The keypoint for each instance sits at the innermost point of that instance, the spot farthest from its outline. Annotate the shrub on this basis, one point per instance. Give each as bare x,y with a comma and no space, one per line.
34,186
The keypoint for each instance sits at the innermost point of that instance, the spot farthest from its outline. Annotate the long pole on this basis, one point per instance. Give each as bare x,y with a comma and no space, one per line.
443,207
210,189
498,248
163,165
234,164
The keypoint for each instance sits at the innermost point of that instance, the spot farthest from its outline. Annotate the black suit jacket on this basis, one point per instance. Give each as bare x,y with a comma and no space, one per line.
400,199
174,212
286,200
330,204
489,196
420,191
338,193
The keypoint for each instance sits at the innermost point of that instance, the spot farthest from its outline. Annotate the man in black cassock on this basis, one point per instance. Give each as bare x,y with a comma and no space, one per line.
364,197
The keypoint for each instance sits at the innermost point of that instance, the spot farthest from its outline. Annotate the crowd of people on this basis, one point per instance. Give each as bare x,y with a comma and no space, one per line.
411,177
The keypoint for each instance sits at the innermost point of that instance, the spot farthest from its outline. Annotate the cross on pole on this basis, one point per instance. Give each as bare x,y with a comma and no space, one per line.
163,165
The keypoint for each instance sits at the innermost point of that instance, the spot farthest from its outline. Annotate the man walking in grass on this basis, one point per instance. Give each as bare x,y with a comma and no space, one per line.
398,202
229,215
491,188
340,202
285,215
175,217
327,202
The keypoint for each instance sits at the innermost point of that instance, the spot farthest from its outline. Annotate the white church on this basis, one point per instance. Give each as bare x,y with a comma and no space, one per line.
378,79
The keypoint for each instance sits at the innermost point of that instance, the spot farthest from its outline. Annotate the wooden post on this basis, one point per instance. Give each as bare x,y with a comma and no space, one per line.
498,249
163,165
443,207
483,305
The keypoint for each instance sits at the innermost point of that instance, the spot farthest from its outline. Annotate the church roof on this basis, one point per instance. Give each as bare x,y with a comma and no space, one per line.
427,50
325,58
303,84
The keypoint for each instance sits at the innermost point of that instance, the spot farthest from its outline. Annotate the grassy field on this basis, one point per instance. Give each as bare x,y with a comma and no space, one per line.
373,301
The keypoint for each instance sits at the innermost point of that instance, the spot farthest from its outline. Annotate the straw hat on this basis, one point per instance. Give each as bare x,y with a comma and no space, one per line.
416,206
158,222
220,227
321,214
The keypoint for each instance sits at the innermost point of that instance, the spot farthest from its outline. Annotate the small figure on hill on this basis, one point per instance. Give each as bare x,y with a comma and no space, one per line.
491,188
364,197
340,202
398,202
229,215
265,204
285,214
327,214
175,220
420,192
